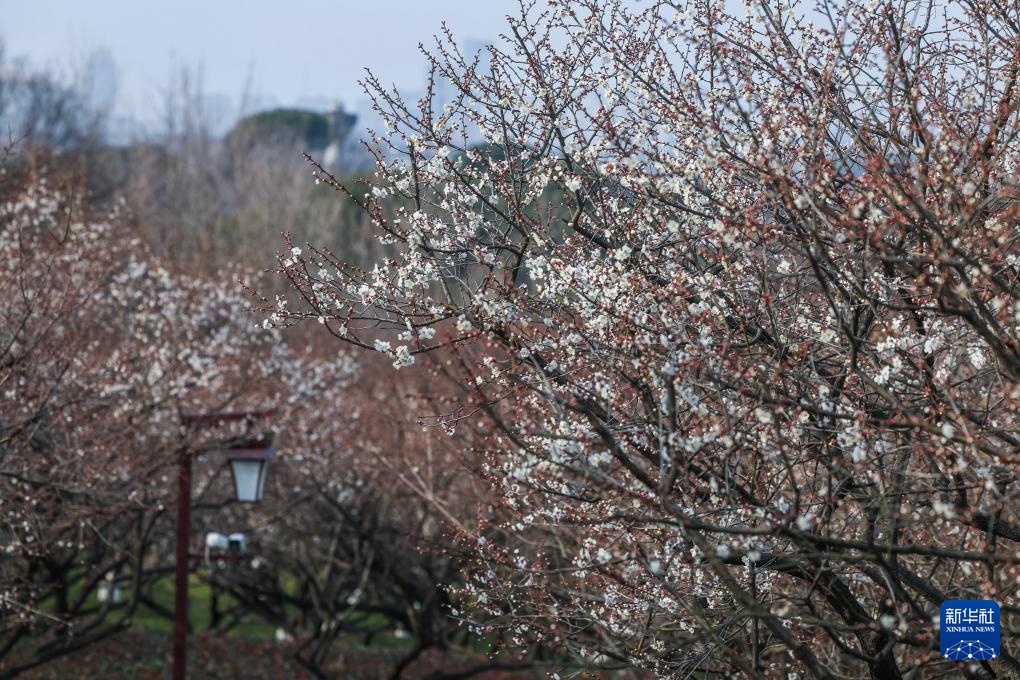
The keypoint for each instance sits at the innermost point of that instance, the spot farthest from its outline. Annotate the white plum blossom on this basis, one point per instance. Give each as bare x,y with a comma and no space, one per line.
403,357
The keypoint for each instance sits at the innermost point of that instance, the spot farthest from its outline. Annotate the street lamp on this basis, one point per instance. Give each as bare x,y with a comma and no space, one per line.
249,461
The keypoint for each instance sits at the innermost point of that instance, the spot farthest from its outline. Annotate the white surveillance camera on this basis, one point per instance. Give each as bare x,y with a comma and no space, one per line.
216,541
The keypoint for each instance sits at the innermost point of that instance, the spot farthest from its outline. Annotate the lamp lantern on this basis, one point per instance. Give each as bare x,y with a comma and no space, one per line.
249,467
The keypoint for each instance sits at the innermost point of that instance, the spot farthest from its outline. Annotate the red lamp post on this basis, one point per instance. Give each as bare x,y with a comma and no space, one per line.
249,460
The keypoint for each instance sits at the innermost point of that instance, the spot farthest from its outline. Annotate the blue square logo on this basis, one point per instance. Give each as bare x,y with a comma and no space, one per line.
969,630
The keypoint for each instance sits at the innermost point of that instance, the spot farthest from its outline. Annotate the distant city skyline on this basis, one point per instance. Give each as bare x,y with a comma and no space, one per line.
280,54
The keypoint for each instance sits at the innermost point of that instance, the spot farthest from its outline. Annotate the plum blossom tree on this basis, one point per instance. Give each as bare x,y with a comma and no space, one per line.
101,353
730,295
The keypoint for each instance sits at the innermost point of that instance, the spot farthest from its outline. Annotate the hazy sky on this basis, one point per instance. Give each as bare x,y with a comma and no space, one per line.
295,50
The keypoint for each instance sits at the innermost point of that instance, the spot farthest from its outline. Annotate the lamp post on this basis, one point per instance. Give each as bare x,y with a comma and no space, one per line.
249,460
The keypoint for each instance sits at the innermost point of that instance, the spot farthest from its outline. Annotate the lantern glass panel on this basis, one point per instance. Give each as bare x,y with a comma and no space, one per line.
249,478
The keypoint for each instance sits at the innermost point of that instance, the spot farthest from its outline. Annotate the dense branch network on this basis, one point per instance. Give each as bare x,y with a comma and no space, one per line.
730,299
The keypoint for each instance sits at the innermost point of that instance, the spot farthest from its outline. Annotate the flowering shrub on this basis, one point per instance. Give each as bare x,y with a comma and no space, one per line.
731,301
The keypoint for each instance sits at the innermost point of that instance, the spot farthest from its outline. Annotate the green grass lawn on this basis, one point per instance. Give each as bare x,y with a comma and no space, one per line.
248,650
199,614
